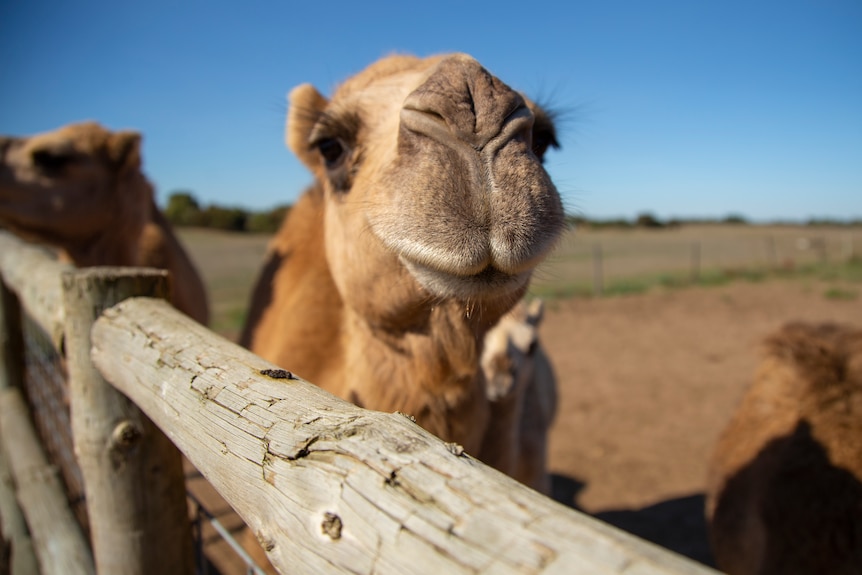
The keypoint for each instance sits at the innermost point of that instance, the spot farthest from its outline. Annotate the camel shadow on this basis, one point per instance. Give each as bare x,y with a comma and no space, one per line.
809,504
676,524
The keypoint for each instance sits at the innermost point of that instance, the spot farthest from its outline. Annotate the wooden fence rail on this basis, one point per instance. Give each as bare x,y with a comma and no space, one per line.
329,487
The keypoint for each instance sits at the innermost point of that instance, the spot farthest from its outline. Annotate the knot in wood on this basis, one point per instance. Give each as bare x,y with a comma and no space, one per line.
267,543
277,373
331,525
125,436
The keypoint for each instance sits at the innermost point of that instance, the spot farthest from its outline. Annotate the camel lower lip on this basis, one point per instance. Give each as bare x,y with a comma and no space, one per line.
489,283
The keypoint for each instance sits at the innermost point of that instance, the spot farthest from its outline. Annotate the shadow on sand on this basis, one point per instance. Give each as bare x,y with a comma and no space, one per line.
676,524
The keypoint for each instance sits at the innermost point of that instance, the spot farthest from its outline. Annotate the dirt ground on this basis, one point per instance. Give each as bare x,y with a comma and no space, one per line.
646,384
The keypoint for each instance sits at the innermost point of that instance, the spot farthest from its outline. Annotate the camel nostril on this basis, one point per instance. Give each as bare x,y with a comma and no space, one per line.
473,104
518,124
430,124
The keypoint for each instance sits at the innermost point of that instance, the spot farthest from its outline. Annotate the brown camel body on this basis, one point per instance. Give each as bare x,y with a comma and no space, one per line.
80,188
785,489
430,211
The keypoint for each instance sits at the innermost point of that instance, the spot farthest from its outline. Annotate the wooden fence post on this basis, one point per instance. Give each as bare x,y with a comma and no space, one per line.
19,546
11,339
13,528
132,473
771,256
695,262
848,254
57,540
598,270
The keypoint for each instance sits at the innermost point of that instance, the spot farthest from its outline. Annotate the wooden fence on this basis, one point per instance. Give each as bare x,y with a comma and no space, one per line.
327,487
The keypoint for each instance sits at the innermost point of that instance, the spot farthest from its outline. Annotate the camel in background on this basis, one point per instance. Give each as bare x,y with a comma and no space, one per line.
80,188
429,212
521,386
785,487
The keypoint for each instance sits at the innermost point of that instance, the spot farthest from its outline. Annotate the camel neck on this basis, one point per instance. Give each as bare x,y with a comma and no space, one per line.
115,247
118,242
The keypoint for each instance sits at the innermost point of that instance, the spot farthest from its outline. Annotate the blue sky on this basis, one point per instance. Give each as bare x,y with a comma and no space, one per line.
683,108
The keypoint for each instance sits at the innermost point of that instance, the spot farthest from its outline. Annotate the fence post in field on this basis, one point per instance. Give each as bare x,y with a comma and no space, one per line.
132,473
598,270
695,262
849,254
771,258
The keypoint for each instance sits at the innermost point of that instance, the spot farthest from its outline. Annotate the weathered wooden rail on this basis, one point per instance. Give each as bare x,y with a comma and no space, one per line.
326,486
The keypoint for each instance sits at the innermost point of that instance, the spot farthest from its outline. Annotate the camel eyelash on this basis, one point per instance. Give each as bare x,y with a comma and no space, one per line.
334,126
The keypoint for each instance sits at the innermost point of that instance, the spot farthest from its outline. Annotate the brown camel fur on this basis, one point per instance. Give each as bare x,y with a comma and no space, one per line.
785,488
522,388
80,189
429,213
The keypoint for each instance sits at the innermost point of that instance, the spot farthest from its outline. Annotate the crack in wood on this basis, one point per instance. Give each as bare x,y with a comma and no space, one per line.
304,451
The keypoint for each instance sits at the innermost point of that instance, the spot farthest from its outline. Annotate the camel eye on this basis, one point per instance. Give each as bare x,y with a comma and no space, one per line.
50,161
544,133
332,150
542,140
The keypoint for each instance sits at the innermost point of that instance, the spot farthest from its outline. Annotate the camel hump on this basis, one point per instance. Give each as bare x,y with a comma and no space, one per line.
474,105
827,355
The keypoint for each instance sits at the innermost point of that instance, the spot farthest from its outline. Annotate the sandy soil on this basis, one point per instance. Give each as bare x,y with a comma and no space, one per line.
646,384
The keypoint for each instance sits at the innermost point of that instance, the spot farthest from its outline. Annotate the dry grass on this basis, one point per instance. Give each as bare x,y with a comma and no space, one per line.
229,263
636,260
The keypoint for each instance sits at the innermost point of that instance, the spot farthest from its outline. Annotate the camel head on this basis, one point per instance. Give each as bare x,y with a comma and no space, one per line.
62,187
433,184
507,356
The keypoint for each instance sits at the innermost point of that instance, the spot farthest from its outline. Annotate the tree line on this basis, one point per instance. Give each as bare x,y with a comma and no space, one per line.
183,209
649,220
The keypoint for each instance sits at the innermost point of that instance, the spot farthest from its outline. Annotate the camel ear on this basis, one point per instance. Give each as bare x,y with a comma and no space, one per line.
124,149
535,311
522,337
305,106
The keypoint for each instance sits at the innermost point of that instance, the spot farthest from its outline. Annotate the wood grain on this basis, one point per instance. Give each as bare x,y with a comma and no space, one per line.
335,488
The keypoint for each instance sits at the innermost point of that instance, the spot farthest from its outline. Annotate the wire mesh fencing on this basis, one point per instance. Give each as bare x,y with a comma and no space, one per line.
46,389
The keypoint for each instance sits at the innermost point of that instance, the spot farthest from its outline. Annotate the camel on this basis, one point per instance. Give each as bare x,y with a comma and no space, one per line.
521,386
80,188
785,486
429,212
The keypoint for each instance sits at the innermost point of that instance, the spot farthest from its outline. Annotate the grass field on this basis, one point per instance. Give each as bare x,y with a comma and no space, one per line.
229,263
614,261
631,261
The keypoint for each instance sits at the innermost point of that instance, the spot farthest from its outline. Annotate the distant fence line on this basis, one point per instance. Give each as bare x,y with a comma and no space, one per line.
591,260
